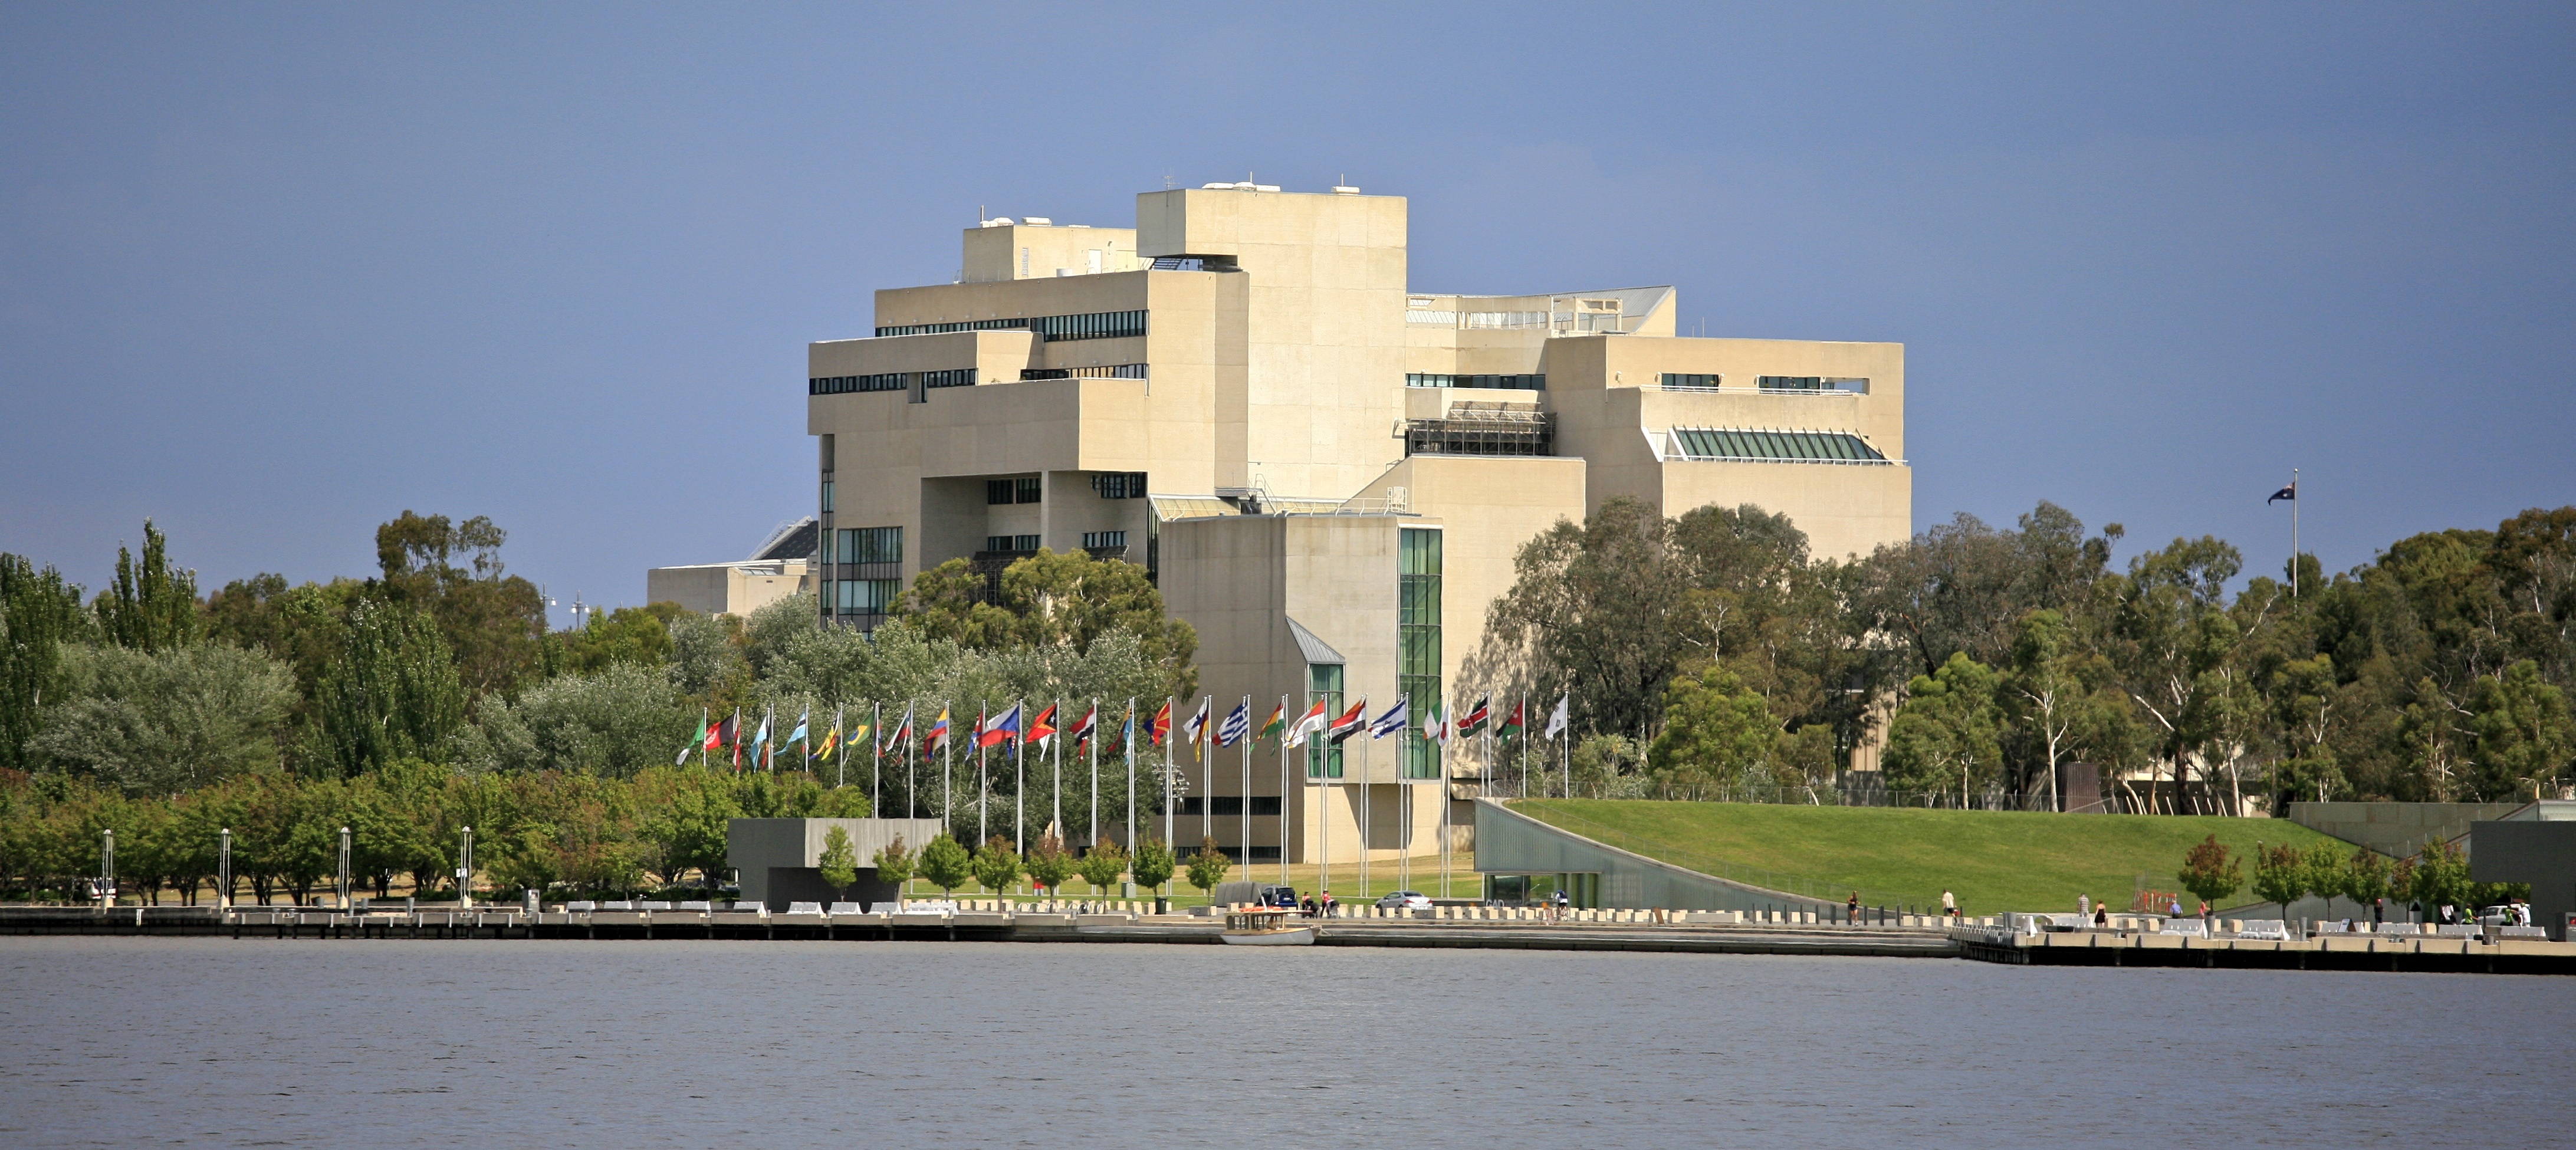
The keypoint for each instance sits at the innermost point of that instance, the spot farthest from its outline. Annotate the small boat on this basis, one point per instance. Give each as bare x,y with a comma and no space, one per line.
1267,926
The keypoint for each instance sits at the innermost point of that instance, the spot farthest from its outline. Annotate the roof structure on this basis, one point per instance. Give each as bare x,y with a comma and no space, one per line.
1316,650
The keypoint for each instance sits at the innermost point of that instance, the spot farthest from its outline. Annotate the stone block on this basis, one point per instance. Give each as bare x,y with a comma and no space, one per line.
2160,941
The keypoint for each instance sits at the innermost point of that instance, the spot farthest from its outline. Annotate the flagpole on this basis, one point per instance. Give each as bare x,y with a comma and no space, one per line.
1130,740
1243,814
1171,763
1367,797
1440,778
1020,777
1055,798
1094,746
1206,750
983,784
1283,793
2294,533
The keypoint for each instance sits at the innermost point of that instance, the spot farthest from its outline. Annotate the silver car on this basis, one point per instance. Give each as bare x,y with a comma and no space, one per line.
1405,900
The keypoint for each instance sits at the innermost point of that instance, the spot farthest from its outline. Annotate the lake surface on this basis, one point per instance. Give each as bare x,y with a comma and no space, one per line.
380,1044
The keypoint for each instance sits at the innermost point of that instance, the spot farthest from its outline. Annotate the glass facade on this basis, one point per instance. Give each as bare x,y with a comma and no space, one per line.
1025,489
840,384
1684,381
1324,682
1010,543
1104,540
864,582
1524,382
1119,485
1417,669
1109,371
1755,444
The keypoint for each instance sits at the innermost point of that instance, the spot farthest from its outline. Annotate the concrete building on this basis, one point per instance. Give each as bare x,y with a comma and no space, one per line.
1326,471
781,566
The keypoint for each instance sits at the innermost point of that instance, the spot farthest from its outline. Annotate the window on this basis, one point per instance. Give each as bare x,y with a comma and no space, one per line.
954,377
1104,540
843,384
1536,382
1024,261
1768,445
868,596
1324,683
1028,489
1106,371
1482,429
1417,665
1676,381
1119,485
998,491
1790,382
871,545
827,497
827,452
1050,328
1010,543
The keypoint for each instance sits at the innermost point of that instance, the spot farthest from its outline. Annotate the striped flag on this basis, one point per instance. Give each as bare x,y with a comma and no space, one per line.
1238,723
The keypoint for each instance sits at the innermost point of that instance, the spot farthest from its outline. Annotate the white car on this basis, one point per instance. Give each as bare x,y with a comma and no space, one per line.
1405,900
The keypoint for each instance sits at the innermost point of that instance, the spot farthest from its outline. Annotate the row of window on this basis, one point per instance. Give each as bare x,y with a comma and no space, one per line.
1010,543
1535,382
1049,328
1103,540
1811,383
1230,805
1119,485
1417,662
868,545
1104,371
862,596
1685,381
842,384
1739,443
1024,489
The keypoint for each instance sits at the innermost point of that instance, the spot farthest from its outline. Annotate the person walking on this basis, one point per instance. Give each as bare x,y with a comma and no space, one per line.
1851,910
2083,905
2101,916
1949,905
2205,925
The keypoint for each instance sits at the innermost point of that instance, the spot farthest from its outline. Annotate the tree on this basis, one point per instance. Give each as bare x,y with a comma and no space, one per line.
1716,731
946,864
2441,877
1101,866
638,635
1049,864
393,693
1594,604
1154,864
2280,874
2053,683
494,622
1208,867
997,865
1947,732
2326,875
2524,737
838,864
160,722
2209,873
152,606
2173,632
2366,877
39,614
1055,599
617,722
894,864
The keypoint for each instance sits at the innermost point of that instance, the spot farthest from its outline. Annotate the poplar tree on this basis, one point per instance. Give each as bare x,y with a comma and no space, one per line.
393,693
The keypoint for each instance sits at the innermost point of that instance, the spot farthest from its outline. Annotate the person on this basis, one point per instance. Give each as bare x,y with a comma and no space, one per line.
2173,908
1328,902
1949,905
2204,917
1308,906
2450,915
2101,916
1851,909
2083,904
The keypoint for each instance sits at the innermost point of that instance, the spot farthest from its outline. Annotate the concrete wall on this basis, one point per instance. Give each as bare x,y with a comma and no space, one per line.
777,857
2395,829
727,588
2540,853
1508,842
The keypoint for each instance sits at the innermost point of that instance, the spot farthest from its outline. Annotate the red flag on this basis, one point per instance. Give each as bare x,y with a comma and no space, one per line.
1163,724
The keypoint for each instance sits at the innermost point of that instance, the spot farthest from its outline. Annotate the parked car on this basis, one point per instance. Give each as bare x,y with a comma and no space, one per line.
1405,900
1278,896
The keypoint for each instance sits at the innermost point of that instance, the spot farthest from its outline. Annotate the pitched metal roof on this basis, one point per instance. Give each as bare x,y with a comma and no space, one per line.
1316,650
789,541
1765,444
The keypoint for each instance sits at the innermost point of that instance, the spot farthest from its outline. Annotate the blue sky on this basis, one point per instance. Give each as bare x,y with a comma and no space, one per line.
272,274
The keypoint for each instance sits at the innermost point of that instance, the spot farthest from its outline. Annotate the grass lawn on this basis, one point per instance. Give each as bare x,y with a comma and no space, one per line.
1993,861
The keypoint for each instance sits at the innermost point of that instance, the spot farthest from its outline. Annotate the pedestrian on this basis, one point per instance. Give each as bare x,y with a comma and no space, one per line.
1851,909
2204,917
2083,905
2173,908
2101,916
1949,905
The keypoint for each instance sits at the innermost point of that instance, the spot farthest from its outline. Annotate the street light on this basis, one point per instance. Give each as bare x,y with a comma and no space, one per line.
465,872
107,868
344,868
224,871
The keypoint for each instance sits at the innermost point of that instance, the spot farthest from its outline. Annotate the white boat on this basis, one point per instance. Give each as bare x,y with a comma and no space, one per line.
1269,926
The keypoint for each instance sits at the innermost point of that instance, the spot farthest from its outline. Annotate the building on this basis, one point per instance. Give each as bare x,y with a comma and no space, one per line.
1326,471
781,566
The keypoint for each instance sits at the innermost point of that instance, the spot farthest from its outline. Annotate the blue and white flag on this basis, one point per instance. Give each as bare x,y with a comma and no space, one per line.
1392,722
1238,723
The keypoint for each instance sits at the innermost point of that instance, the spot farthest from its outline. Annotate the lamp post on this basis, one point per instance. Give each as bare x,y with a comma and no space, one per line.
465,872
107,868
344,868
224,871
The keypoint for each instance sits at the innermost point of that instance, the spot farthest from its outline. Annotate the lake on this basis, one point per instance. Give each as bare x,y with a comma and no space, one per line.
387,1044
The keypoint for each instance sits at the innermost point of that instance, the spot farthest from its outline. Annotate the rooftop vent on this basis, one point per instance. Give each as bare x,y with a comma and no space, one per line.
1037,221
998,222
1345,190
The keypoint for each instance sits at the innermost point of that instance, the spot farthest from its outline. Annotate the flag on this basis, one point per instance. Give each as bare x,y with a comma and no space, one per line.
2290,493
799,735
1238,723
716,737
1309,723
760,743
1042,728
1434,727
698,741
1392,721
1477,716
1089,727
1350,722
938,727
1002,728
1197,726
728,736
1556,722
895,738
1278,721
832,739
1518,724
1162,729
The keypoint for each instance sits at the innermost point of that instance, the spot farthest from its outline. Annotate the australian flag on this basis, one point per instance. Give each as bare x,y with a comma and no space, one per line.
2290,493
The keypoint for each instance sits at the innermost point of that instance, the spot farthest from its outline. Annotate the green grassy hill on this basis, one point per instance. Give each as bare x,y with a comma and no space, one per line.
1993,860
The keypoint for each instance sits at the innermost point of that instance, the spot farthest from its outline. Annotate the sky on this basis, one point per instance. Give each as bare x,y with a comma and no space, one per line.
272,274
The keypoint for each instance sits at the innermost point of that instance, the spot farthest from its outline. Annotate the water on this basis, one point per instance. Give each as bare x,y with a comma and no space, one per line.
128,1041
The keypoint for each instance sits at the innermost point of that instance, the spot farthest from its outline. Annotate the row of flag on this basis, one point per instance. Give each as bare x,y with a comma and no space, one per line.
757,751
